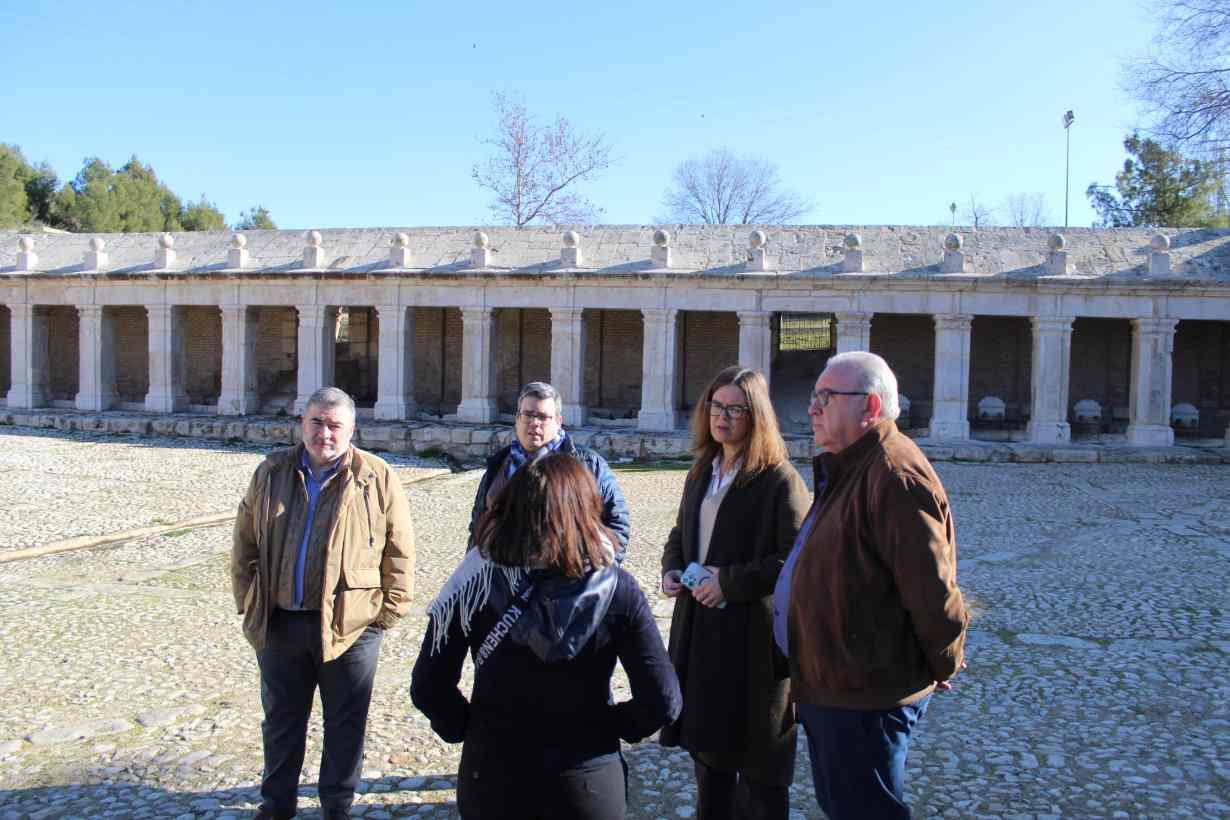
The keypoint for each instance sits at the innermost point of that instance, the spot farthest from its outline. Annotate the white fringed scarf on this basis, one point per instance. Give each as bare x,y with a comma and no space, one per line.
466,590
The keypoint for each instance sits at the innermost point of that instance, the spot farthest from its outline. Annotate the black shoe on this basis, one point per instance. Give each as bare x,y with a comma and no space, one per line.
266,814
336,813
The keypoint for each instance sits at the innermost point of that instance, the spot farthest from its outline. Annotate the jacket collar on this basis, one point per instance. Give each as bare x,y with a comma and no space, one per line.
833,466
352,460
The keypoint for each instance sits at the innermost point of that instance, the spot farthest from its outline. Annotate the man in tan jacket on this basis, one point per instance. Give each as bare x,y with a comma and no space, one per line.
322,562
867,605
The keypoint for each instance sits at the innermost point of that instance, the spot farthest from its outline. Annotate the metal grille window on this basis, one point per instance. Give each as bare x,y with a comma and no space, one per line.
804,331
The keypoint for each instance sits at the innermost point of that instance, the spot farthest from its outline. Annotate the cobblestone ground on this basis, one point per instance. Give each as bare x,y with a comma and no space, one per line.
1097,684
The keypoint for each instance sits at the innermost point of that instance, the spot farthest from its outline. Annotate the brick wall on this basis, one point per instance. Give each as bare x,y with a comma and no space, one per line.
131,330
202,329
356,365
277,353
522,352
437,359
907,343
710,342
1202,373
1101,368
614,347
63,358
1001,350
6,359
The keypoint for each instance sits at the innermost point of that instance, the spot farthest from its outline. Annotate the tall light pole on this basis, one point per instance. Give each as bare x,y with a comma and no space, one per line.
1068,119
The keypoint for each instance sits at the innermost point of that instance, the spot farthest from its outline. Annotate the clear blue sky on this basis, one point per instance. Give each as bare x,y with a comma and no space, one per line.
371,115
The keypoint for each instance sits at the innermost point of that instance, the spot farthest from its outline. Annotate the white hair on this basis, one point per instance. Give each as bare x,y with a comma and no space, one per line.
871,373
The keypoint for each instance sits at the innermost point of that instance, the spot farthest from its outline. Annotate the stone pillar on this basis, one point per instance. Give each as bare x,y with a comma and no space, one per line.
167,362
239,329
568,361
478,381
853,331
1152,370
28,351
658,370
395,381
1051,365
317,324
756,340
96,380
950,398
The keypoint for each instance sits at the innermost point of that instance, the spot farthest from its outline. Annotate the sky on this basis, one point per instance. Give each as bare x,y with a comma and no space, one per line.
371,114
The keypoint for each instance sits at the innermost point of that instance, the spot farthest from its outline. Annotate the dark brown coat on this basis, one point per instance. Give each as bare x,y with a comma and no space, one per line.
735,683
876,616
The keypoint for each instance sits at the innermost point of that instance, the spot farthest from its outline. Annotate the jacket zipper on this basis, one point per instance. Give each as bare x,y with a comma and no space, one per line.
371,536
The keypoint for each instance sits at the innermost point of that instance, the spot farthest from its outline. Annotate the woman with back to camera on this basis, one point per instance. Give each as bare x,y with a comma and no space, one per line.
743,503
544,613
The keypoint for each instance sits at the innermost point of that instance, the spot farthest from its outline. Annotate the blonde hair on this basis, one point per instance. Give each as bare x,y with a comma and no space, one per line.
763,448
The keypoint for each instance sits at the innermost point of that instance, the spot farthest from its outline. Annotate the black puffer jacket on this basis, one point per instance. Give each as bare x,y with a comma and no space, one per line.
544,694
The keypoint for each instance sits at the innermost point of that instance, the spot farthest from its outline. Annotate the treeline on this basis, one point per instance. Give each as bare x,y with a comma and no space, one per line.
102,199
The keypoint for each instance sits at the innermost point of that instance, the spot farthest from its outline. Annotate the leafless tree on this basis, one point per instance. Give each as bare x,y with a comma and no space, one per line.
1184,81
533,169
723,189
978,214
1026,210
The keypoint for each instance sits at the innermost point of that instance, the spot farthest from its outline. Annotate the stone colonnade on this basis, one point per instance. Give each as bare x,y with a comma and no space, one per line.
1151,359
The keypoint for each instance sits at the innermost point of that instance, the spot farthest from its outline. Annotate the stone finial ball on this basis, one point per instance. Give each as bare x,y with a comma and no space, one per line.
571,239
401,240
313,239
26,244
239,241
1057,242
854,242
757,239
661,238
481,240
97,244
953,242
167,241
1160,242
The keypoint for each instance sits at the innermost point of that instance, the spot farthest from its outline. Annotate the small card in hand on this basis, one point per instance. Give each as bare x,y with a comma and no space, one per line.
695,575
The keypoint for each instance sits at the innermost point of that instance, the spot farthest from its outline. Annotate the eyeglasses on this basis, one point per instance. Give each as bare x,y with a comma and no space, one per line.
734,412
529,418
821,398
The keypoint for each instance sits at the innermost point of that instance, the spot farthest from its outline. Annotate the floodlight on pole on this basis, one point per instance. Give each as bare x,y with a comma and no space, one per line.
1068,119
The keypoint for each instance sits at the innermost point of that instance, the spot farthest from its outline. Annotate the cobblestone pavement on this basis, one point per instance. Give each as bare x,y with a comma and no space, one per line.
1097,684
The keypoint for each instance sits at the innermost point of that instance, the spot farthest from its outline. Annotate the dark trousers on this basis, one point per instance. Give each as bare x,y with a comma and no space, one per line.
858,759
723,795
491,784
291,669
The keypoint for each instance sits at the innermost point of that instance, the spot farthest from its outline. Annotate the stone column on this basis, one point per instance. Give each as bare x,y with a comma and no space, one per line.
950,397
658,367
478,381
96,379
395,381
756,340
166,360
853,331
1152,371
1051,367
317,324
239,328
28,352
568,361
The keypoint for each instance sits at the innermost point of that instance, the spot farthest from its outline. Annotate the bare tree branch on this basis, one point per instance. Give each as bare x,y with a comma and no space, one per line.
1026,210
532,170
723,189
977,214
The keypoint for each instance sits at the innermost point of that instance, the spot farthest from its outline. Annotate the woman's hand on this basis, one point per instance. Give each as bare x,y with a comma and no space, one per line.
671,585
709,592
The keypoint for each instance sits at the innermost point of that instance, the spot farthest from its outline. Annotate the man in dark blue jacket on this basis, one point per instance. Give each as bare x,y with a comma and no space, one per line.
540,429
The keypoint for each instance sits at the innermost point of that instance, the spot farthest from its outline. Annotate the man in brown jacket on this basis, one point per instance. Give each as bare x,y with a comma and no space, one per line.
867,605
322,562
